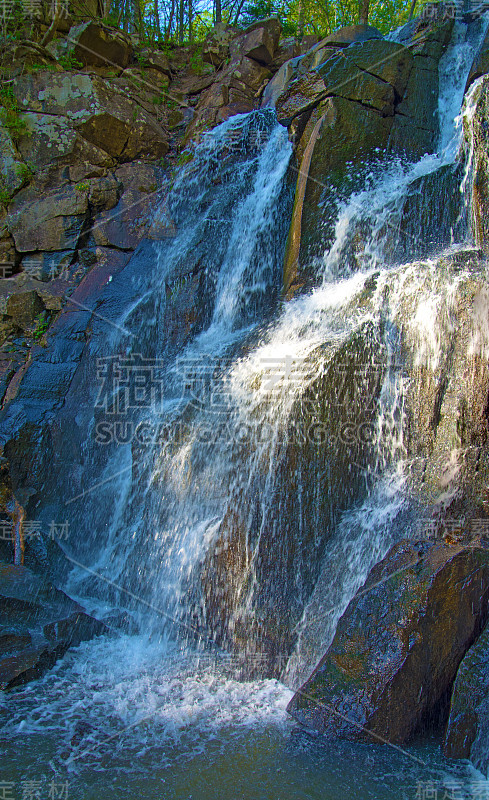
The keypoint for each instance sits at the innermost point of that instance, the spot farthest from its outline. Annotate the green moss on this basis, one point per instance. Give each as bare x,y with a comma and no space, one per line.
69,62
40,67
25,171
5,195
196,62
10,113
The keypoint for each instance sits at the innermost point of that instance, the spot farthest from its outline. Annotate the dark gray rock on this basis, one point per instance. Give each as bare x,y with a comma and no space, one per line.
38,623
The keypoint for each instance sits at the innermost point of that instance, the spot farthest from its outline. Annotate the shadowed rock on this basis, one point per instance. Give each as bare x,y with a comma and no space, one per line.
38,623
399,644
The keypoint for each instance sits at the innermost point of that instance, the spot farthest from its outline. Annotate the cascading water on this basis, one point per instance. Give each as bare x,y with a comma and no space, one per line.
215,496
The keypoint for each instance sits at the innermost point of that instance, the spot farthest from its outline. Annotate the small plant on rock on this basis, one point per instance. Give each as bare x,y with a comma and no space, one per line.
69,62
10,113
42,324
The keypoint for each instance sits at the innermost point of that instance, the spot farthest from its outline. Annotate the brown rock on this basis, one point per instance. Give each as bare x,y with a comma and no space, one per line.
258,43
104,193
45,266
53,222
239,106
155,59
251,74
125,225
93,44
301,95
217,42
106,116
399,644
352,33
23,308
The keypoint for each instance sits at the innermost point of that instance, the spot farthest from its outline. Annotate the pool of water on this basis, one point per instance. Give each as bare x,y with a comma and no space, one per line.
131,718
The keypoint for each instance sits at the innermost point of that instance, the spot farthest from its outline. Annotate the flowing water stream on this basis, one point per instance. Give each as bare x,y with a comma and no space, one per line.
165,712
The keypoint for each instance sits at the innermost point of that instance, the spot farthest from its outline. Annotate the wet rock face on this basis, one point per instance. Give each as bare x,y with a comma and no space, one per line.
372,73
399,644
259,576
476,136
481,63
466,734
357,104
38,623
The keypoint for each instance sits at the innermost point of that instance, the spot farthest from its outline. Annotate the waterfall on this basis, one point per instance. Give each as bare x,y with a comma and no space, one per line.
265,404
244,461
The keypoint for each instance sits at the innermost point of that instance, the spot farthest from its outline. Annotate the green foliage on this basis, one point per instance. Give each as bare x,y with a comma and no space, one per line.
83,186
69,62
42,324
322,17
5,196
9,113
14,23
185,157
25,171
259,9
38,67
142,60
196,63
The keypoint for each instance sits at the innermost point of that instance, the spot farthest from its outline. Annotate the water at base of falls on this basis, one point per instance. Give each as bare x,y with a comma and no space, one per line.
139,716
130,718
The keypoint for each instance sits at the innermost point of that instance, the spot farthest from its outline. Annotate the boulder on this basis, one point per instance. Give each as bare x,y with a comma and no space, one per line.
51,141
9,258
389,670
374,73
259,42
468,723
95,45
125,131
340,132
104,193
351,33
275,88
125,225
45,266
23,308
38,625
104,115
248,74
388,61
216,45
52,222
343,78
288,49
155,60
301,95
318,55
